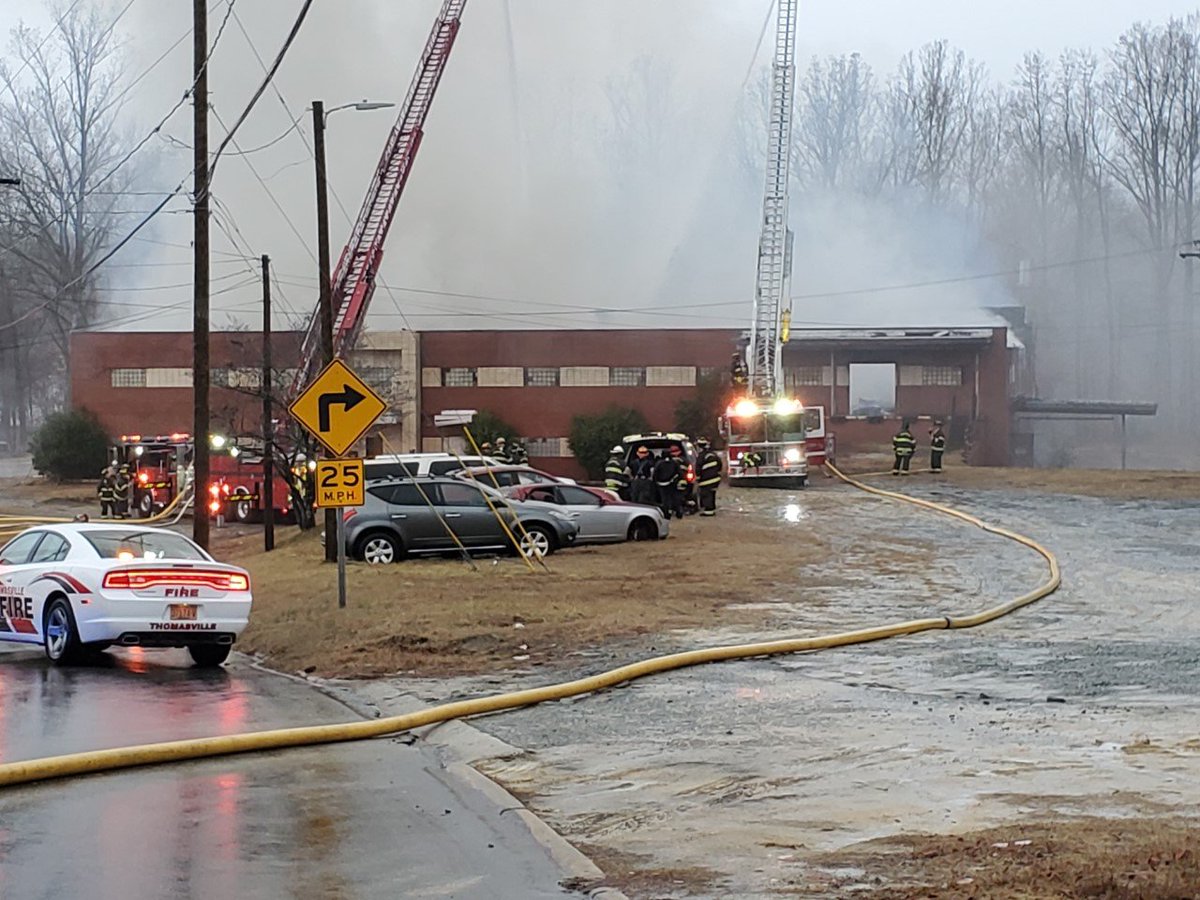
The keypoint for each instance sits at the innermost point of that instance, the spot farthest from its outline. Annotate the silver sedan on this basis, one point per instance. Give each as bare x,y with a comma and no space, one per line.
602,517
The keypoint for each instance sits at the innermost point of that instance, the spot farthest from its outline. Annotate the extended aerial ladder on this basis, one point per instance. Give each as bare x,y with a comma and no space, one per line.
353,282
771,304
771,438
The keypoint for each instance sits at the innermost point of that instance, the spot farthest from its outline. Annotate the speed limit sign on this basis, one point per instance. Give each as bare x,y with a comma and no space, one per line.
339,483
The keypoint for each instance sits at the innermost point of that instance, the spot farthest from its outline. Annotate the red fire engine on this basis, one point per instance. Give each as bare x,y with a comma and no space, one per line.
159,465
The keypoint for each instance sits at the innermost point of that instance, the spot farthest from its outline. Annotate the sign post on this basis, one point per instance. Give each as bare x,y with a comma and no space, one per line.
337,408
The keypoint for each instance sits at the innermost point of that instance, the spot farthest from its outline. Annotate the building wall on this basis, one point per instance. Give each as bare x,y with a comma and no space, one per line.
142,383
977,405
537,381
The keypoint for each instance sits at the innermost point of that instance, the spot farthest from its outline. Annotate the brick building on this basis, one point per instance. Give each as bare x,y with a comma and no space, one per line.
538,380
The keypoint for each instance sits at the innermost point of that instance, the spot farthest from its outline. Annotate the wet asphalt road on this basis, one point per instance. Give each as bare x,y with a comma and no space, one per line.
364,820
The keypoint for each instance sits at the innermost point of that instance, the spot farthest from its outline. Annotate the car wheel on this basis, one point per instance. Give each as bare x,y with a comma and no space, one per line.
209,656
643,530
537,541
380,549
60,637
146,505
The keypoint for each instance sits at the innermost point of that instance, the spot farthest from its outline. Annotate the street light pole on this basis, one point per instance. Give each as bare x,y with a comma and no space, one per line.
326,288
332,516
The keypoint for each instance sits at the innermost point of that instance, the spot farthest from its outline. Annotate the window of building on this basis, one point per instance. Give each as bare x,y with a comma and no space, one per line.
627,376
458,377
945,376
129,378
707,372
541,376
546,447
806,376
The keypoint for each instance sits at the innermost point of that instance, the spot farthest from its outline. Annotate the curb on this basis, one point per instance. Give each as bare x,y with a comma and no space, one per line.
456,738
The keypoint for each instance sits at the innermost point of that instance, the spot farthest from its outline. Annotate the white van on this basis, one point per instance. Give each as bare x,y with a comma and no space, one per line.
400,465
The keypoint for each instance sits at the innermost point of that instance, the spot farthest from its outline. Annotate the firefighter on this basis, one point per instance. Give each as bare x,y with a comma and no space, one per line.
502,454
486,448
751,459
641,473
518,453
737,368
105,491
709,479
668,472
616,473
904,445
122,486
937,447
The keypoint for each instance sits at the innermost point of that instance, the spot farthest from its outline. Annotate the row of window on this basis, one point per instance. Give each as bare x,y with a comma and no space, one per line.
909,376
236,378
566,376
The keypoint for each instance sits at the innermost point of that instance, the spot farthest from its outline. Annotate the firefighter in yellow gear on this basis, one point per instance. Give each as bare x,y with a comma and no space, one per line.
616,473
105,492
937,447
710,477
904,445
122,488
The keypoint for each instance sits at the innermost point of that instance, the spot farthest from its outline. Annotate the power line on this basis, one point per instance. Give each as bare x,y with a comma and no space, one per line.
267,80
380,280
179,104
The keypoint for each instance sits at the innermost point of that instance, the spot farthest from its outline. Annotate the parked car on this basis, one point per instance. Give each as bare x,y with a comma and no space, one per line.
602,517
78,587
401,465
508,476
414,516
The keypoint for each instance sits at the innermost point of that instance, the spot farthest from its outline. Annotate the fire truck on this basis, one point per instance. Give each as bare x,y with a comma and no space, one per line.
772,437
773,443
161,467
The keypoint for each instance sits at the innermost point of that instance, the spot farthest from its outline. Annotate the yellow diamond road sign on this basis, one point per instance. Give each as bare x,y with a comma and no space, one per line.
337,407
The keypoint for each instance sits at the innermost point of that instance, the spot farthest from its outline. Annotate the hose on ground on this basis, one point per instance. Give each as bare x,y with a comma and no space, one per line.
27,771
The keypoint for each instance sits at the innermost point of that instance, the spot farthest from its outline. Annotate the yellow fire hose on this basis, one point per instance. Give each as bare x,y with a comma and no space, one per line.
177,751
14,524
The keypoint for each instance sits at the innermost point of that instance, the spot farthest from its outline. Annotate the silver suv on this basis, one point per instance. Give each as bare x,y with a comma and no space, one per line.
417,515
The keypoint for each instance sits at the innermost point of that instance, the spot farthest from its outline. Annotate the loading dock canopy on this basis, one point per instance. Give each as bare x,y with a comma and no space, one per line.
1035,406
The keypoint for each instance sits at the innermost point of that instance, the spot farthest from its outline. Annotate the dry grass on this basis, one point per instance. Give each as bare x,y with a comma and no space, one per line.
1106,859
438,616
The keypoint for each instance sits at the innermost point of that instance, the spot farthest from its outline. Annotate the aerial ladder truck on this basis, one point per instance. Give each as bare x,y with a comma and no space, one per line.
237,475
771,437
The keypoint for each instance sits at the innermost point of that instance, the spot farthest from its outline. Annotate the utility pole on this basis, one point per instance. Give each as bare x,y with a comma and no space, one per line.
318,108
268,429
200,321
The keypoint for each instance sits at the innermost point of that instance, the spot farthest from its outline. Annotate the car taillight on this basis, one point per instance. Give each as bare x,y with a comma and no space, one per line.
140,579
691,473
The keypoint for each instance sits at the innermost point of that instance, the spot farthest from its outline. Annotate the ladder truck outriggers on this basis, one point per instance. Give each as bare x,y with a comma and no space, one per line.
771,437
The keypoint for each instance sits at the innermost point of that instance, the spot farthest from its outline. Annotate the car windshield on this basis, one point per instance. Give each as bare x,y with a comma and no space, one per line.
132,545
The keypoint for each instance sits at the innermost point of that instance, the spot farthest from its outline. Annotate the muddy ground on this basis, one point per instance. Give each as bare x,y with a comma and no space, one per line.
766,778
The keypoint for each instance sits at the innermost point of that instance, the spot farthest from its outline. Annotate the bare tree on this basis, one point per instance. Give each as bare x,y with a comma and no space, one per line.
1144,98
835,120
931,95
59,128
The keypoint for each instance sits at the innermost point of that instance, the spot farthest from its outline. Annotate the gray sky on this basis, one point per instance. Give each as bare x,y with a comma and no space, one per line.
518,194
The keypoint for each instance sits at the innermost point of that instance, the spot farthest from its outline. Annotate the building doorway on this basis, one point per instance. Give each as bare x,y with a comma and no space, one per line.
872,390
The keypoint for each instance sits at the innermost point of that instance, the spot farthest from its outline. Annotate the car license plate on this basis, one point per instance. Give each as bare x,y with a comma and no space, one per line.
183,612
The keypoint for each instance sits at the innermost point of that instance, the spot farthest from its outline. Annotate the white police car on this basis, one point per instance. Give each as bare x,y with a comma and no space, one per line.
83,586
